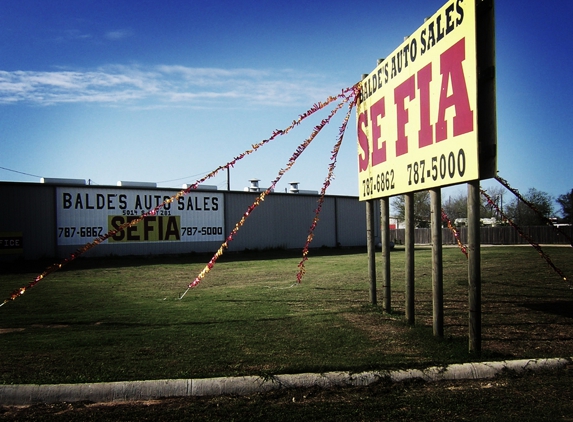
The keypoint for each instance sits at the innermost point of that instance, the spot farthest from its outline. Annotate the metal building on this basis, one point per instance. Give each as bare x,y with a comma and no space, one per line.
59,216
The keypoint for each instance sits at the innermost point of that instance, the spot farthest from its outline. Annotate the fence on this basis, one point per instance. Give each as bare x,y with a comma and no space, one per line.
504,235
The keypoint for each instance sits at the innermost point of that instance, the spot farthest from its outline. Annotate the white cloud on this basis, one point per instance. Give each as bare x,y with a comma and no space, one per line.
163,85
118,34
73,35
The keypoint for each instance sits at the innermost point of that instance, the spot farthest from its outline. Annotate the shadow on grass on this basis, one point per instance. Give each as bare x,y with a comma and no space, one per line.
563,308
21,266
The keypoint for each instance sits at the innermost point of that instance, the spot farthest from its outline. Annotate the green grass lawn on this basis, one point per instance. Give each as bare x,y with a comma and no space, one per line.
120,318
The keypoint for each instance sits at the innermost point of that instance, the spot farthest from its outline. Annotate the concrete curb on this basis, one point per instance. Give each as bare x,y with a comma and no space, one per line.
145,390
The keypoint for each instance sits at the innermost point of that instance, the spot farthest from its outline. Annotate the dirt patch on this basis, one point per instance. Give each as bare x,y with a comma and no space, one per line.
50,325
392,335
370,324
11,330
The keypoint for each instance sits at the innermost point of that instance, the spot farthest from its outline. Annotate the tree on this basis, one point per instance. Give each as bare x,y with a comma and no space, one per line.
496,194
523,215
421,208
566,202
456,207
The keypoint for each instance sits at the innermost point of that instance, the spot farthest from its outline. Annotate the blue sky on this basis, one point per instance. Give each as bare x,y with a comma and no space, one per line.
167,91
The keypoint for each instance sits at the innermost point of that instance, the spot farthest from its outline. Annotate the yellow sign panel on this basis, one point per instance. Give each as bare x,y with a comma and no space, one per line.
417,112
151,229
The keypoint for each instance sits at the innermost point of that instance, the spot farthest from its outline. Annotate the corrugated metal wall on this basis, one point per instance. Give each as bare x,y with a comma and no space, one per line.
351,221
281,221
29,208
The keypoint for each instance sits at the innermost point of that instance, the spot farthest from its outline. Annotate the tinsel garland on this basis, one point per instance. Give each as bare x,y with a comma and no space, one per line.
345,94
329,177
300,149
531,241
506,185
455,233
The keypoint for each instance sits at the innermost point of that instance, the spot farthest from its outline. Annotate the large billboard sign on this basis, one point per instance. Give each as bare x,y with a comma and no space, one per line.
86,213
417,114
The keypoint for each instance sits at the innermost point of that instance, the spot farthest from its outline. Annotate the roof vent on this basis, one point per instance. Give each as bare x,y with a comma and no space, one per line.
201,187
136,184
293,187
56,181
254,186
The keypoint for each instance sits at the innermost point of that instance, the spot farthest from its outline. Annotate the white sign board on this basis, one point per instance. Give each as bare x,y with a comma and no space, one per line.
86,213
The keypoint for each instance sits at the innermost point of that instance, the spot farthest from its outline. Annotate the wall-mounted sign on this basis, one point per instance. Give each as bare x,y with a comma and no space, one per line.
86,213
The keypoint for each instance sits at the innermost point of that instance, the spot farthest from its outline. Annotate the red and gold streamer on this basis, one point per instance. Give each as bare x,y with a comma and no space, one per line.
345,95
455,232
533,243
300,149
329,177
506,185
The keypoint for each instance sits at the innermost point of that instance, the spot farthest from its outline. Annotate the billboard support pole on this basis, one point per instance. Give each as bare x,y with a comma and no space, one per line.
385,239
370,245
474,268
437,264
409,258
